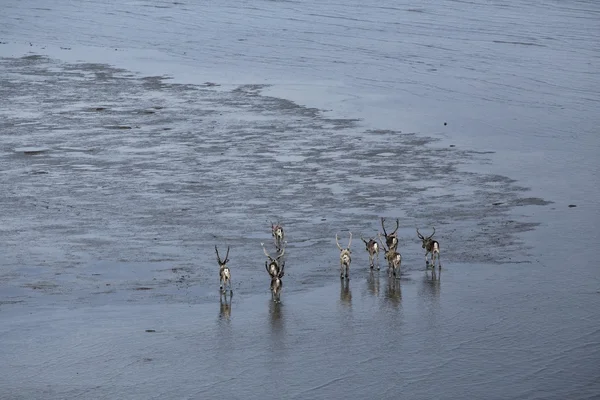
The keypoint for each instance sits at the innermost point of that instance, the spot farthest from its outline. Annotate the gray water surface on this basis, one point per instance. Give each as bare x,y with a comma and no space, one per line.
136,136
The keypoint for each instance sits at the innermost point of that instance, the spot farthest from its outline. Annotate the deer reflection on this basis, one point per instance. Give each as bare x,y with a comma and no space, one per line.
373,283
393,291
431,284
276,320
225,308
345,292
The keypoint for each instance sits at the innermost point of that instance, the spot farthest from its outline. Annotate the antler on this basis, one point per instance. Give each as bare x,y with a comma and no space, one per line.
219,257
338,243
432,233
361,238
383,226
265,250
419,234
281,254
382,242
350,241
397,225
227,256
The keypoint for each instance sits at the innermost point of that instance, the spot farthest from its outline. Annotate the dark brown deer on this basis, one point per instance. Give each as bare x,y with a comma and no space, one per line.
278,235
345,258
275,264
431,246
393,258
391,240
373,250
224,273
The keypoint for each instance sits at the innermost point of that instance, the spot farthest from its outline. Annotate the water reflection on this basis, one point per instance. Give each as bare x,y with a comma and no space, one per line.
276,317
277,324
345,292
224,309
429,293
431,285
373,283
393,292
224,336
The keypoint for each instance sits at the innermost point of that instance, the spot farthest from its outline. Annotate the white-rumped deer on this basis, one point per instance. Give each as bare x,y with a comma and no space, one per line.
391,240
345,258
431,246
278,235
224,273
393,258
373,250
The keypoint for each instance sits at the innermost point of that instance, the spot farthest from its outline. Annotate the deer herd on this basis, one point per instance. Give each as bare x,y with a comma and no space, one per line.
275,265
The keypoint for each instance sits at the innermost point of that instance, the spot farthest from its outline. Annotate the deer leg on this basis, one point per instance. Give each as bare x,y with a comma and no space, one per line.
341,269
439,261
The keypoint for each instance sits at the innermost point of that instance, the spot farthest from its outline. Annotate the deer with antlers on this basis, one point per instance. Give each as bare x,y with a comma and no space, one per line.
278,234
393,258
373,250
224,273
391,240
431,246
276,283
345,258
274,265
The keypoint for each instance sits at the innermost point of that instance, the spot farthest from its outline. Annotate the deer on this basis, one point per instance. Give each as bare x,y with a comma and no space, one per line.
345,258
276,284
373,250
392,239
224,273
393,258
278,234
274,265
431,246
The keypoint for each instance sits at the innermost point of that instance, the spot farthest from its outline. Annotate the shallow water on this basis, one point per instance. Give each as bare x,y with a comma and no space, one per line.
472,330
135,136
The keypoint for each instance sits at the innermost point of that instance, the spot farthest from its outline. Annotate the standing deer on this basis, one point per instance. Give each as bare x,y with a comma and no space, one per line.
392,239
345,258
276,284
224,273
373,250
393,258
431,246
273,266
278,234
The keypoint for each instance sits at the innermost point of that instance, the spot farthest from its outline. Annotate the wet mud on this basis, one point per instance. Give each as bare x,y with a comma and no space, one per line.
118,185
